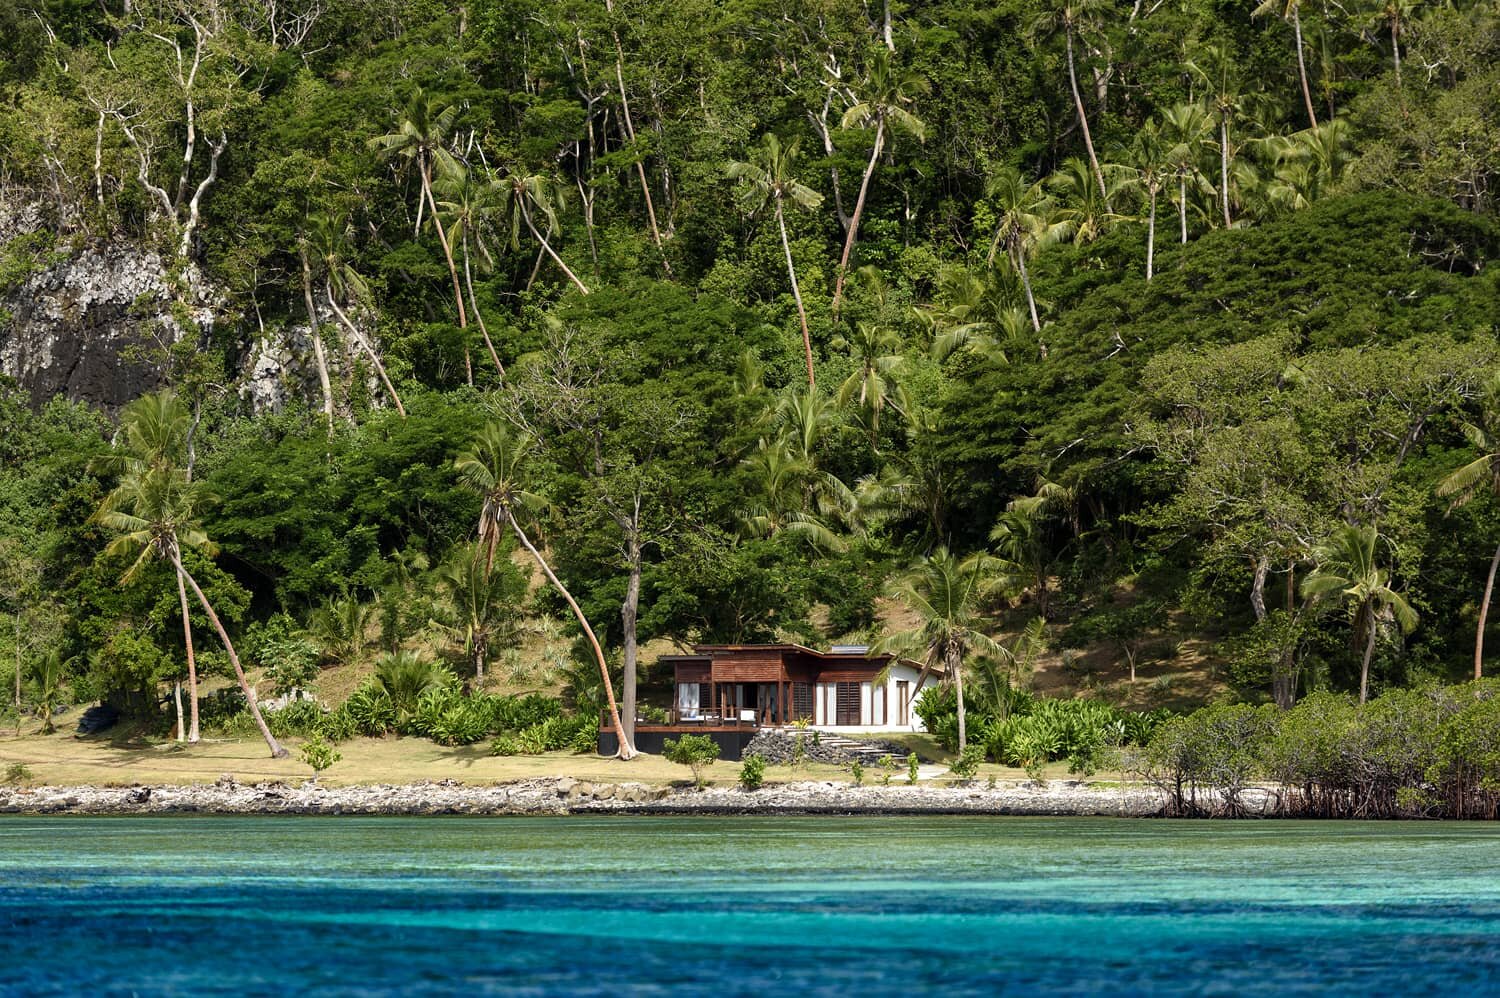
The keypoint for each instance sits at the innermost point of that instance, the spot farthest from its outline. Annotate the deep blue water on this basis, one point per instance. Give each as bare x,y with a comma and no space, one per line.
799,906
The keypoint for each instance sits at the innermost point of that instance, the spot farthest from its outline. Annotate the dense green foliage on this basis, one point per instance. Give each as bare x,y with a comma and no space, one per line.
1105,301
1432,752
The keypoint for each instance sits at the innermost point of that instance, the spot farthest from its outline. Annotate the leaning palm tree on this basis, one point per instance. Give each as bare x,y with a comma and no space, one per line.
153,435
1348,566
527,195
1074,18
327,239
421,136
494,467
884,96
770,176
154,512
469,200
1291,10
945,594
1481,473
1027,223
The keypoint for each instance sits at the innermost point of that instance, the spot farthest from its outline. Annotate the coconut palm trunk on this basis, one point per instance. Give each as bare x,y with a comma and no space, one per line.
1083,121
629,614
547,247
954,661
317,341
368,348
1151,236
1182,205
1302,69
437,223
1484,614
192,663
1020,260
1364,666
177,705
1223,170
627,748
791,270
859,208
277,751
484,330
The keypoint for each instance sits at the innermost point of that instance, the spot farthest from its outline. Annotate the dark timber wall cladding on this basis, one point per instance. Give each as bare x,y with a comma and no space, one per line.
731,743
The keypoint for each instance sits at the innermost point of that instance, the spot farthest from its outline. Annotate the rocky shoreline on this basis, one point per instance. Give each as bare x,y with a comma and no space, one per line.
569,796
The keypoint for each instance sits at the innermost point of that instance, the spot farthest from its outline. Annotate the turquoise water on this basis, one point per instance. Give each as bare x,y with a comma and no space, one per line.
800,906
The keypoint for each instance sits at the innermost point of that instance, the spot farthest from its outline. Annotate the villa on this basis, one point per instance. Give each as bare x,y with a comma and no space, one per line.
731,691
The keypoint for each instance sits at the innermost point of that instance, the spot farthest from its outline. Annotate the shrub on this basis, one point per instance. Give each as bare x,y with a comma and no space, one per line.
319,755
296,719
532,740
753,772
654,715
967,763
518,713
338,725
371,709
911,768
585,740
505,745
17,773
887,769
694,751
857,773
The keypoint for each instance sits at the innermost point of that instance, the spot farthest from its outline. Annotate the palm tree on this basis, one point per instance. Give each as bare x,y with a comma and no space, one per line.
339,628
945,594
1149,155
474,594
154,512
520,196
1073,18
1481,473
1019,535
421,136
1087,214
771,176
469,202
884,95
1219,76
154,436
974,310
45,676
1184,126
327,238
320,355
1291,10
1394,13
1347,564
494,468
876,351
1026,224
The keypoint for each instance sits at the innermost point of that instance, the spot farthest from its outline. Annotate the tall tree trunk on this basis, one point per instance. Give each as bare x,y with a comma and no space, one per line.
1258,587
1302,69
192,661
1224,167
1484,614
955,664
526,214
177,706
1182,204
1083,121
368,348
1151,237
859,208
1364,667
1020,259
277,751
478,315
627,747
796,294
317,341
629,122
1396,47
437,223
629,612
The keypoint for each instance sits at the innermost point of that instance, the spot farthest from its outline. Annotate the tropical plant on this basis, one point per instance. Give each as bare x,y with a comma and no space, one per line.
340,628
872,386
946,594
1482,473
319,755
522,197
1027,221
884,95
154,512
494,468
44,683
1291,11
770,176
1347,565
697,752
1075,18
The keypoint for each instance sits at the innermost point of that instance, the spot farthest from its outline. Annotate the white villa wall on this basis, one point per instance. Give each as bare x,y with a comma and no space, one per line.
871,702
